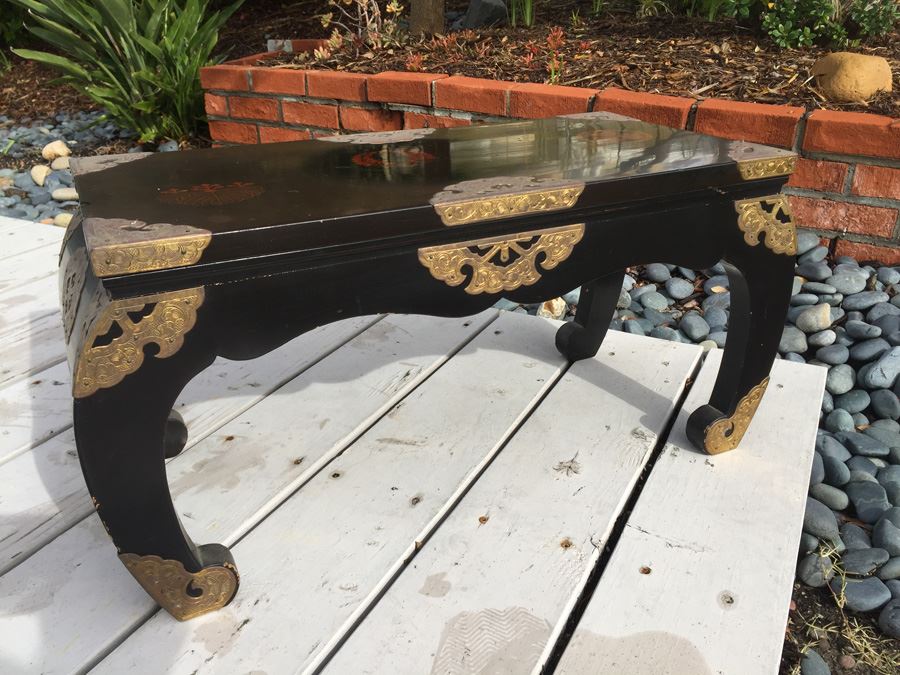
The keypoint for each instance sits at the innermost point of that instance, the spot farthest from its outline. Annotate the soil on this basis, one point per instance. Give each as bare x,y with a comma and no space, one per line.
676,55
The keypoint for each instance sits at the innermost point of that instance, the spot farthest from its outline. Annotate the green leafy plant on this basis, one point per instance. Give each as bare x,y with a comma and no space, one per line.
872,18
523,8
597,6
801,23
140,59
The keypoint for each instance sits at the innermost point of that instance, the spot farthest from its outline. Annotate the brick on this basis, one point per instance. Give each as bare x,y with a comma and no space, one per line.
535,101
876,181
290,81
886,255
245,107
216,105
851,133
819,175
312,114
229,78
233,132
281,135
331,84
361,119
252,60
307,46
414,120
670,111
472,94
754,122
393,87
825,214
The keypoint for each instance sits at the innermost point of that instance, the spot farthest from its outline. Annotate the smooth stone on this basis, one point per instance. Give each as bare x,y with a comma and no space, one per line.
573,296
884,371
833,299
881,310
833,355
819,288
814,319
816,271
817,470
679,288
827,398
842,338
862,444
168,146
694,326
719,337
815,570
793,340
864,562
812,663
840,379
888,323
864,300
658,318
864,476
860,421
889,475
836,314
716,317
624,300
804,299
869,501
55,149
65,194
633,327
862,595
890,570
720,300
883,434
885,404
797,285
823,338
893,587
839,420
39,173
888,275
713,285
806,241
860,330
60,163
886,535
637,292
855,537
808,543
854,401
657,272
665,333
862,464
687,273
628,282
868,350
894,338
836,472
893,516
889,619
795,358
828,446
646,324
847,281
829,496
62,219
814,255
819,520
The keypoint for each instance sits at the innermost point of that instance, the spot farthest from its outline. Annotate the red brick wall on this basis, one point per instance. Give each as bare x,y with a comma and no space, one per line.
846,187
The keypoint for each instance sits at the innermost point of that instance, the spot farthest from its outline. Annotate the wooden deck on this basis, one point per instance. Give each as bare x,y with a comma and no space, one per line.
408,494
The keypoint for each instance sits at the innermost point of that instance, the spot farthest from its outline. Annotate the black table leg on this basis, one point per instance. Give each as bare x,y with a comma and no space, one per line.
760,266
581,338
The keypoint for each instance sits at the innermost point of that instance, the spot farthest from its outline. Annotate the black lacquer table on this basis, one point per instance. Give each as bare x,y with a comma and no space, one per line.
179,258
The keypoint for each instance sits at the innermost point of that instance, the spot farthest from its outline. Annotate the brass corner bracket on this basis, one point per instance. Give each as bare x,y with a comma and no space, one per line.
102,364
726,434
770,216
755,169
111,260
501,263
169,583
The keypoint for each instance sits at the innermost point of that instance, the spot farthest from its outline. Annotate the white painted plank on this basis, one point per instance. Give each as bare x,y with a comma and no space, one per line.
45,494
18,236
34,409
720,537
29,266
323,554
72,601
23,304
485,593
30,347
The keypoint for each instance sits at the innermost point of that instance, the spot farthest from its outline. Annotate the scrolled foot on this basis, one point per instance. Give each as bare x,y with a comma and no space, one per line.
575,342
714,432
176,435
185,594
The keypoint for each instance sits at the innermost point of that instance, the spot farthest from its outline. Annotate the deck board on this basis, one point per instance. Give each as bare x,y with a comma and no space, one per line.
465,418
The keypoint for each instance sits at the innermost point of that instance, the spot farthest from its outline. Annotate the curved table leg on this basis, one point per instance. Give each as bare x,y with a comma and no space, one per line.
124,430
760,275
581,338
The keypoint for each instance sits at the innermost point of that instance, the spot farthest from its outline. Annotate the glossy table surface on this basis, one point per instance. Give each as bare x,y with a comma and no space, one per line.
268,199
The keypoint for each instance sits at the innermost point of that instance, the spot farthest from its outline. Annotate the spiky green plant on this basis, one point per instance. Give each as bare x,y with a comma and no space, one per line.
139,59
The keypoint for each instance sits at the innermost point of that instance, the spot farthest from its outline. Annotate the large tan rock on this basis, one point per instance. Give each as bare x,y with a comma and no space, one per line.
845,76
39,174
55,149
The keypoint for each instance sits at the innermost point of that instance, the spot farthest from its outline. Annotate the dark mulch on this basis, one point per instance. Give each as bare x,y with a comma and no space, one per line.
681,56
26,91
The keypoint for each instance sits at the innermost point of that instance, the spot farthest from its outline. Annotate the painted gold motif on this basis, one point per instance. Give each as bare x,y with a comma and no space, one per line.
727,433
754,169
503,197
183,594
211,194
145,257
770,216
71,284
501,263
161,319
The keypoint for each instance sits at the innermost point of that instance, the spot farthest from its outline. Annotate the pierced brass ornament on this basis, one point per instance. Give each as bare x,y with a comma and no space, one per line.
726,434
755,169
503,197
501,263
183,594
156,255
770,216
101,365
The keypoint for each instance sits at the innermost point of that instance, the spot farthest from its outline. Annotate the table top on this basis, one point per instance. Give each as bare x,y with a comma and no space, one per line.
143,211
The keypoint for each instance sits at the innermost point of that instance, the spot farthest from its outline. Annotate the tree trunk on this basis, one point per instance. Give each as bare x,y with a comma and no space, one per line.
426,16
